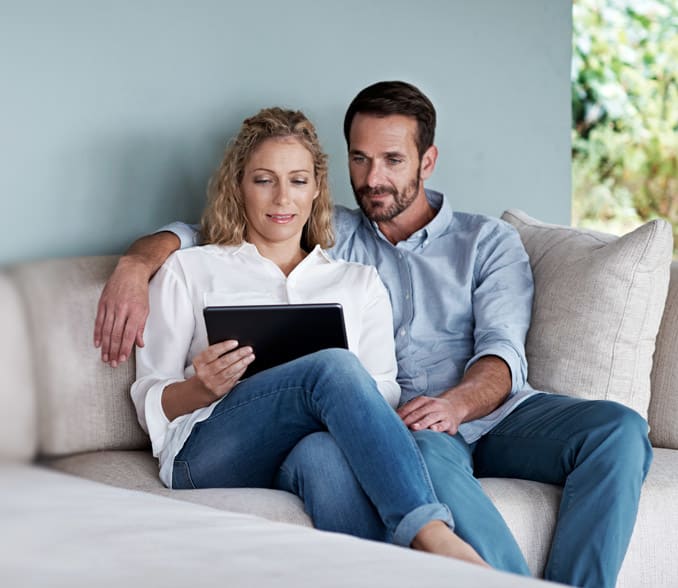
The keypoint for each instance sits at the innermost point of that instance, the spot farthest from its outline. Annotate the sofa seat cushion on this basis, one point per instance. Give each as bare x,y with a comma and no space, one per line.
598,303
138,470
63,531
530,510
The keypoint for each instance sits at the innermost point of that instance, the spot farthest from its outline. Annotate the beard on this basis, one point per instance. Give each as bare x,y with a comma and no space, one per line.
380,211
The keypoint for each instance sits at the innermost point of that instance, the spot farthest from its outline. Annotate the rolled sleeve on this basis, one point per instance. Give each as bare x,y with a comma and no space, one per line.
502,301
189,235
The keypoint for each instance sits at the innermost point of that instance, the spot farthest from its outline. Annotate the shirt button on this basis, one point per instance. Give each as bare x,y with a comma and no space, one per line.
400,255
407,295
403,332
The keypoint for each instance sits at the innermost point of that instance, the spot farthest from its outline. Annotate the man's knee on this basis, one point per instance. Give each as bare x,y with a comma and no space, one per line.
443,452
626,432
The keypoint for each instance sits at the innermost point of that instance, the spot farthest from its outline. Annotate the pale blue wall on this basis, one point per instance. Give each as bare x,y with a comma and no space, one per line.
114,114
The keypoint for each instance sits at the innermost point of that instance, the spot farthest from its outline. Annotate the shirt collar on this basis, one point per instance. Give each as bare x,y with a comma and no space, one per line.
316,255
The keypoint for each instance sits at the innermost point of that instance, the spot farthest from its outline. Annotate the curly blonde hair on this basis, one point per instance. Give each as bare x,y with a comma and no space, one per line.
223,221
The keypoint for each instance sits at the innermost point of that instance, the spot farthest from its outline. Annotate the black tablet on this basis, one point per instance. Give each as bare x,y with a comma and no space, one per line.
277,333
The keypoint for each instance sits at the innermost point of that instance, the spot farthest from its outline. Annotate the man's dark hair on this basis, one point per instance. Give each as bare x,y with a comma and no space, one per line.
385,98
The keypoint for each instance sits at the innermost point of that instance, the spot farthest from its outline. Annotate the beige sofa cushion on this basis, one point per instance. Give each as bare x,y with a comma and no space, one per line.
138,470
84,405
18,433
598,303
59,530
663,413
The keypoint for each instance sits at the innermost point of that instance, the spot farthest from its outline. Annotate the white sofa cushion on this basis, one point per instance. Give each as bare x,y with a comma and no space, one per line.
83,404
663,413
18,433
598,303
138,470
60,530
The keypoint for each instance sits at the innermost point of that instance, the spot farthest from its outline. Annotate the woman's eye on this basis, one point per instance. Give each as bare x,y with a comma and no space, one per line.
300,181
262,181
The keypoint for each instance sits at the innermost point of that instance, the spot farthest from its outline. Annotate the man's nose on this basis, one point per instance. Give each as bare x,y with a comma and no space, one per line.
374,175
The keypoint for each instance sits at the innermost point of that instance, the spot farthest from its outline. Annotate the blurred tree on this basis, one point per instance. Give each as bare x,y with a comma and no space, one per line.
625,113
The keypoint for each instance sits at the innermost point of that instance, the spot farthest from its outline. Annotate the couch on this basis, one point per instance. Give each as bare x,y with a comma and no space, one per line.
80,498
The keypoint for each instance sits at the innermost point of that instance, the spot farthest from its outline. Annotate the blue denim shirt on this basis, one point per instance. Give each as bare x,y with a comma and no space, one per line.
461,288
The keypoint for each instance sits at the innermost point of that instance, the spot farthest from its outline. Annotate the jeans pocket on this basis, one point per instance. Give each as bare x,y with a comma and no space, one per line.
181,476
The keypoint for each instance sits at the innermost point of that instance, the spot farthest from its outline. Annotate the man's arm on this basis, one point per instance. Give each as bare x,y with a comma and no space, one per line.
123,305
484,387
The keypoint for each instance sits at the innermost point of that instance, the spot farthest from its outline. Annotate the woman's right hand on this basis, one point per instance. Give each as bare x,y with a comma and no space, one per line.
219,368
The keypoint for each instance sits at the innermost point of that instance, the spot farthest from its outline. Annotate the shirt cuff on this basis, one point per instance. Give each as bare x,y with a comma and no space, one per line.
390,390
188,234
511,358
156,421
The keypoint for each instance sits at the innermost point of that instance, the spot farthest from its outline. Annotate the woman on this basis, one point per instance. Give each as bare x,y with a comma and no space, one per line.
267,221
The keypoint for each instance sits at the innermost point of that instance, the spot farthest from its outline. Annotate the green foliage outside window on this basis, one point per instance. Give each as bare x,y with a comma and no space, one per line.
625,113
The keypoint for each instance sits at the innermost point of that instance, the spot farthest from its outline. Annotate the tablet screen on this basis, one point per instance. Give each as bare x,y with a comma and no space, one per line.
277,333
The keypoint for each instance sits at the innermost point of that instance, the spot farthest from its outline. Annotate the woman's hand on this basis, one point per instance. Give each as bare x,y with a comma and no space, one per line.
220,366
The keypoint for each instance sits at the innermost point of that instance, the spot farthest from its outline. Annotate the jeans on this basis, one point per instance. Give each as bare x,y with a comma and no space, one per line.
597,450
254,427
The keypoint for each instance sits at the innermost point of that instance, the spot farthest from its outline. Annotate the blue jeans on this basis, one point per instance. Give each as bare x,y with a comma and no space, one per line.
597,450
252,429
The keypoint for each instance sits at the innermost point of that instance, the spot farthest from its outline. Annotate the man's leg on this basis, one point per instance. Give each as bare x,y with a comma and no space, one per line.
318,473
476,520
600,453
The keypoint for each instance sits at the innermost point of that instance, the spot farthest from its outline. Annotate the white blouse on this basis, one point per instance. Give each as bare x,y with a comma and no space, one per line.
214,275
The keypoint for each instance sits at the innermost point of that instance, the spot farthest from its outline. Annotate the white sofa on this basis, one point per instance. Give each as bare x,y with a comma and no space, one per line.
65,411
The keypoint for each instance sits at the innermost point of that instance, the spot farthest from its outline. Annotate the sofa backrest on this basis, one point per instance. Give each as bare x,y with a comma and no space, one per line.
18,433
663,412
83,404
47,311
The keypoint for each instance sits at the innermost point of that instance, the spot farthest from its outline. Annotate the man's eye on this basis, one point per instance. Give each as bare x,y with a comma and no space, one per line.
394,161
357,159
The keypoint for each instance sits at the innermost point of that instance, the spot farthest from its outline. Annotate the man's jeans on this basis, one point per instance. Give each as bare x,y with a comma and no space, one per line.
253,428
597,450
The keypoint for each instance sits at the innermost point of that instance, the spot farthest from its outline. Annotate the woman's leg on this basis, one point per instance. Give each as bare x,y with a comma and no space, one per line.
253,428
317,471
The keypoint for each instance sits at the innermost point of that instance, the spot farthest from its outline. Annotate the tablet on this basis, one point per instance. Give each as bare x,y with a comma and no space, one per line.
277,333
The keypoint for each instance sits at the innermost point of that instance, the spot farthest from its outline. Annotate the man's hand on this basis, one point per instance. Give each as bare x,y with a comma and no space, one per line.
438,414
122,311
483,388
123,305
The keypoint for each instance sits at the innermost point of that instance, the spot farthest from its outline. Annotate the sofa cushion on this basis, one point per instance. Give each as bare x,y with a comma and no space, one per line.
83,404
597,307
530,510
64,531
138,470
663,413
18,433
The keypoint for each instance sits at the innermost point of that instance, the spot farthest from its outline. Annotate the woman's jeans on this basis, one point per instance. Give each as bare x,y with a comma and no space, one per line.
597,450
254,427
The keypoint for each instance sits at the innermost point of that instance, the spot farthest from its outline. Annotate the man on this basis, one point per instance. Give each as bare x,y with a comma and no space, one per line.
461,290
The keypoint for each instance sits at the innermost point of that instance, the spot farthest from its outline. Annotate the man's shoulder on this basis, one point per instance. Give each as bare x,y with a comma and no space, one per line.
346,218
483,225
